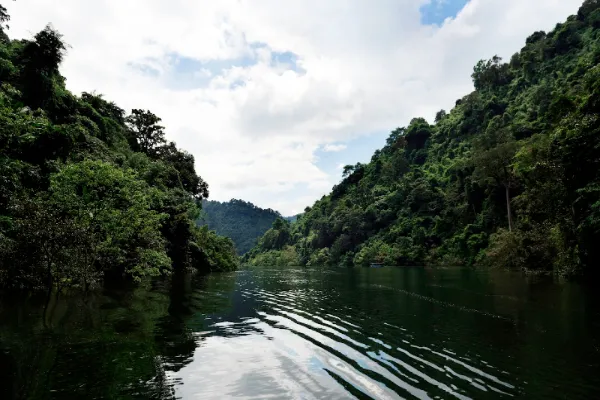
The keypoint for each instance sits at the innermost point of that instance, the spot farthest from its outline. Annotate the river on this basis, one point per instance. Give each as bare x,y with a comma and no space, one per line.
308,333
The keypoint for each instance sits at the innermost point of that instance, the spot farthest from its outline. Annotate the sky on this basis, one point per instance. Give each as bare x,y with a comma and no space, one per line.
274,97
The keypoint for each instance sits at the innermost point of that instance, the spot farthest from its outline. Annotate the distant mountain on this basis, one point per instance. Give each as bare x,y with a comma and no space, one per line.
293,218
240,220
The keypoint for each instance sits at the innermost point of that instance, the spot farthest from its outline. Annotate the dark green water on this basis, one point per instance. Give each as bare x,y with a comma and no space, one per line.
309,333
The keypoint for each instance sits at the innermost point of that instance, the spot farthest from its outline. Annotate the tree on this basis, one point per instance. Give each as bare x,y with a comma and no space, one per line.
493,161
211,252
48,249
183,163
440,115
490,74
276,237
40,60
105,108
348,170
145,132
587,8
114,207
396,140
4,18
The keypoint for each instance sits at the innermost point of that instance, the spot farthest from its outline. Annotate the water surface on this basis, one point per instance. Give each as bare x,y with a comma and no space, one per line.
308,333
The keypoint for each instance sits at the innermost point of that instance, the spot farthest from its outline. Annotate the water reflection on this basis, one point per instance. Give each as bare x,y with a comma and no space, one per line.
308,333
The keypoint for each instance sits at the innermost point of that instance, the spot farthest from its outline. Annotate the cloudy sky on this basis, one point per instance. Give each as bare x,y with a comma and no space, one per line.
273,96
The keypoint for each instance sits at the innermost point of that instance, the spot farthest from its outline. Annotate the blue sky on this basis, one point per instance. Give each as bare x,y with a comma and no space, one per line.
185,73
273,97
357,150
437,11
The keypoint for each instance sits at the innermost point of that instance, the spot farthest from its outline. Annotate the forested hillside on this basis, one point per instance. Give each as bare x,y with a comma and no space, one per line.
86,191
239,220
509,177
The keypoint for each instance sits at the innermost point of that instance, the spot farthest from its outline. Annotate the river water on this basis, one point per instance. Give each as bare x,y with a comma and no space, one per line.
308,333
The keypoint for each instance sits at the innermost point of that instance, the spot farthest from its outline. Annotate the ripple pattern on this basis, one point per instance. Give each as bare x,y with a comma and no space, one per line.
308,344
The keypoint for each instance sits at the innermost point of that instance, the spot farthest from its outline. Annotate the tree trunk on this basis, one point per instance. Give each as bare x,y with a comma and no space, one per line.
510,222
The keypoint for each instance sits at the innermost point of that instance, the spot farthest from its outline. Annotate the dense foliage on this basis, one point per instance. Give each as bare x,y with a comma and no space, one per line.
239,220
85,191
509,177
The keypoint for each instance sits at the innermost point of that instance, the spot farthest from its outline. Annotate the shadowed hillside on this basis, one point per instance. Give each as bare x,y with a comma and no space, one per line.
239,220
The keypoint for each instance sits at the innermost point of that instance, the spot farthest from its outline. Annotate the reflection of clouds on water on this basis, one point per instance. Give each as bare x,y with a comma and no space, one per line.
293,338
253,366
309,333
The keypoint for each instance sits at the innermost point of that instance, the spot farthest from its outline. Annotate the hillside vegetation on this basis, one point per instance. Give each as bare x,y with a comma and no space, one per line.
239,220
509,177
86,191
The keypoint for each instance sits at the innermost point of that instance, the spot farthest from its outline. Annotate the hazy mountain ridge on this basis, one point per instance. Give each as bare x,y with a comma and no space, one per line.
239,220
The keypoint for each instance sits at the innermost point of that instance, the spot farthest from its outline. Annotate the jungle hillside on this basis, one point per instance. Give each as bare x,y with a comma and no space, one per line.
509,177
88,192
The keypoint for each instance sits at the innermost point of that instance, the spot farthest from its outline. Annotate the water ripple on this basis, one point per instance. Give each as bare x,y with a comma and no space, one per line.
291,337
356,359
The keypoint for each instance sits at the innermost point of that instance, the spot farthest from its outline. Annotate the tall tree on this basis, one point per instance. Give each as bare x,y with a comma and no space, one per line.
4,18
183,163
145,132
40,60
492,159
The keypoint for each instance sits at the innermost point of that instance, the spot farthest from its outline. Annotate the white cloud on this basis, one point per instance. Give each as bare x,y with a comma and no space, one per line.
333,148
254,127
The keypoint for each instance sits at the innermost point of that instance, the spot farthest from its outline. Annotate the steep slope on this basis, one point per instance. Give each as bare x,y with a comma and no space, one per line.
509,177
86,192
239,220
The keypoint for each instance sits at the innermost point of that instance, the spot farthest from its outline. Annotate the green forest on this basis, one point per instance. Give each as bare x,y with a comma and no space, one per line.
88,192
509,177
239,220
